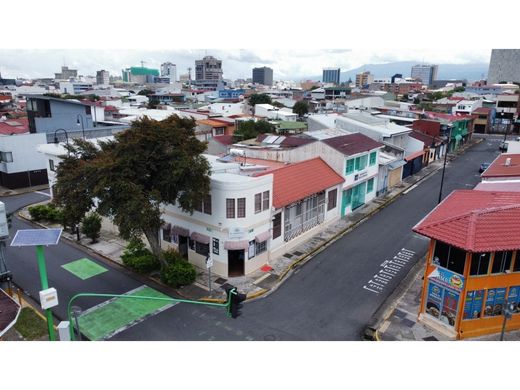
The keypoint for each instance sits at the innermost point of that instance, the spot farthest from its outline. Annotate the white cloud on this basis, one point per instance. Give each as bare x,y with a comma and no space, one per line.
287,64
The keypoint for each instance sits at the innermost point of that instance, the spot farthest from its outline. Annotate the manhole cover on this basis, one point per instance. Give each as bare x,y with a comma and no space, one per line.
430,338
269,337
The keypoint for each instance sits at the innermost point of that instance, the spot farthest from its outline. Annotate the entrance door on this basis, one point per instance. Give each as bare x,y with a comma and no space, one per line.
236,262
346,200
358,195
183,246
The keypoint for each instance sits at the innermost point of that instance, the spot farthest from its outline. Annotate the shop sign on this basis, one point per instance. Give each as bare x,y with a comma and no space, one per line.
447,278
236,232
215,246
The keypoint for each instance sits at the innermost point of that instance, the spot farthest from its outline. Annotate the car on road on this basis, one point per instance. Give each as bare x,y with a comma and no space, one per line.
483,167
503,147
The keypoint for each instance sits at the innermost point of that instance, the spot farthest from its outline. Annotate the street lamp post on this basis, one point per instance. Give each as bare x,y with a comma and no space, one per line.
82,124
508,313
444,166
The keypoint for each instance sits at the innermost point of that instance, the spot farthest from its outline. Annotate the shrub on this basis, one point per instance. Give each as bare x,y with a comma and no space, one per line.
91,226
179,273
171,256
46,212
138,258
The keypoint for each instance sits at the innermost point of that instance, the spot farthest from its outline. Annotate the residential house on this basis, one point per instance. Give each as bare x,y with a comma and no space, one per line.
466,107
20,164
270,112
484,119
473,263
253,213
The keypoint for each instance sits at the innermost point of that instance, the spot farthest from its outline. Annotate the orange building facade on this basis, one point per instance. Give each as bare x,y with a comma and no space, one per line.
473,263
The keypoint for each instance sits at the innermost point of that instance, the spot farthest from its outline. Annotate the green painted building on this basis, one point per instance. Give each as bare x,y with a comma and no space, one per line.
139,74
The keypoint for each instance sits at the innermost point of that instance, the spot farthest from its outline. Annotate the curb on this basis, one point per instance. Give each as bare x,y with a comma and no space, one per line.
302,260
6,195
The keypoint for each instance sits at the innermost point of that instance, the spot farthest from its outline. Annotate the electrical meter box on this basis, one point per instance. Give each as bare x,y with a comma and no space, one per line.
4,227
49,298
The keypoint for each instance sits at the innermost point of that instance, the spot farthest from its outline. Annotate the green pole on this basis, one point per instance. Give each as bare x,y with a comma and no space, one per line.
45,285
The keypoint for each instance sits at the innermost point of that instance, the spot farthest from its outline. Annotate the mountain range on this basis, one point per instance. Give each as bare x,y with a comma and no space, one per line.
470,72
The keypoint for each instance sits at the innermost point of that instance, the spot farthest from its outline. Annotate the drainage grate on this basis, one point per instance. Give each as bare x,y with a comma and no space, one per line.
288,255
220,280
399,313
297,253
430,338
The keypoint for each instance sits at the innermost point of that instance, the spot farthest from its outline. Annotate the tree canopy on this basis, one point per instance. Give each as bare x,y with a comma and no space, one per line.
251,129
259,98
151,164
301,108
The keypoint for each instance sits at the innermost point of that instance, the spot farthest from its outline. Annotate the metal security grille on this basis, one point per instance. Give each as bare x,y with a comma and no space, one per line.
304,215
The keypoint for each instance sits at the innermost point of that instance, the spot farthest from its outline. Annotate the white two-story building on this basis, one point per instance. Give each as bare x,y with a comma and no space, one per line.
253,212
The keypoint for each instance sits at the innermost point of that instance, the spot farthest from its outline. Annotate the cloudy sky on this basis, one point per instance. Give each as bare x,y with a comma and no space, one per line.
287,64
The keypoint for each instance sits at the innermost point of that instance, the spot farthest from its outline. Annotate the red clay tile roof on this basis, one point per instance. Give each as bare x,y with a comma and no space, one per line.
476,221
352,143
482,110
300,180
499,169
14,126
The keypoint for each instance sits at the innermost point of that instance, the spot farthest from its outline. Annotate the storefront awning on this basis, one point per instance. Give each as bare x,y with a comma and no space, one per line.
180,231
236,245
414,155
396,164
263,236
202,238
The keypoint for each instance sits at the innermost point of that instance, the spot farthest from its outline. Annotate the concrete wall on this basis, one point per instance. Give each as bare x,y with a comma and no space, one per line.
23,148
63,115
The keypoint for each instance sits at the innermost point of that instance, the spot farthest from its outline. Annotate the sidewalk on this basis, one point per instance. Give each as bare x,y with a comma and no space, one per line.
267,279
9,192
400,321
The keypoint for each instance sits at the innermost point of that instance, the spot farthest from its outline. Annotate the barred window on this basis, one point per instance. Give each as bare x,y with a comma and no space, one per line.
332,201
241,207
230,208
258,203
261,247
201,249
265,201
207,205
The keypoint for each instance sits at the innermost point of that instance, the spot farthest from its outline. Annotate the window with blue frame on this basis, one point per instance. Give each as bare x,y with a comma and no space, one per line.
373,156
370,185
350,167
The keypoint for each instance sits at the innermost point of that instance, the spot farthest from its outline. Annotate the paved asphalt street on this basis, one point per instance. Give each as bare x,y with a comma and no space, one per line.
23,264
327,299
332,297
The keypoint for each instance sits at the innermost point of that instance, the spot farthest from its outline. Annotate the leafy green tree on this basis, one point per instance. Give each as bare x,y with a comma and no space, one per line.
301,108
152,104
73,190
278,105
91,226
259,98
251,129
146,92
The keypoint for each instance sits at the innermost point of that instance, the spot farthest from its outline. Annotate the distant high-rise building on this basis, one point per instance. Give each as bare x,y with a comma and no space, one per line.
363,79
331,75
140,75
504,66
169,70
208,73
102,77
426,73
263,75
66,73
